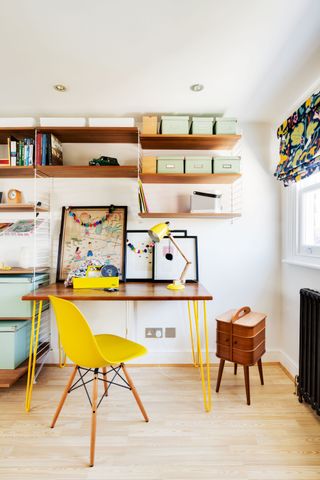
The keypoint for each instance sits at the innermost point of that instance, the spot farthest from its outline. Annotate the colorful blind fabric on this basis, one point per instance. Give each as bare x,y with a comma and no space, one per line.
300,143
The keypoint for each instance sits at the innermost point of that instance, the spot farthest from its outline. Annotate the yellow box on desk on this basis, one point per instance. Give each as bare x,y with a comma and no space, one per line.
96,282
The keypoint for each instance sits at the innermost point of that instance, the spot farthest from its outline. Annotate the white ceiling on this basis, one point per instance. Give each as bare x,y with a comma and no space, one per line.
256,58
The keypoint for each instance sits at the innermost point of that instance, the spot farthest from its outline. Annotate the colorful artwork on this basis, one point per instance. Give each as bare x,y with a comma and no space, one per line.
92,233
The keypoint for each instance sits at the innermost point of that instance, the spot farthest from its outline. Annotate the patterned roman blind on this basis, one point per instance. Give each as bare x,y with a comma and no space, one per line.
300,143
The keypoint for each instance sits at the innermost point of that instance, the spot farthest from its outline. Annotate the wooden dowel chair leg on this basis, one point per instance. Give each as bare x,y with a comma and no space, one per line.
94,417
221,366
135,393
64,396
104,371
247,382
235,368
260,371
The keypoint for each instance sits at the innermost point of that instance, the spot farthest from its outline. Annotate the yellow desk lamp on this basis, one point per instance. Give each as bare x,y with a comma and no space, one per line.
157,233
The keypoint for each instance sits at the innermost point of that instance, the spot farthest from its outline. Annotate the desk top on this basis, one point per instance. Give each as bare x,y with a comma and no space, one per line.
127,291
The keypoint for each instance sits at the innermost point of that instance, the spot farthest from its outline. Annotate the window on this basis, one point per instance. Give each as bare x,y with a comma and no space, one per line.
302,214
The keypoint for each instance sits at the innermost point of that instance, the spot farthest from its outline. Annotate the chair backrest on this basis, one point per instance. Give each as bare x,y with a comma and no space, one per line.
75,334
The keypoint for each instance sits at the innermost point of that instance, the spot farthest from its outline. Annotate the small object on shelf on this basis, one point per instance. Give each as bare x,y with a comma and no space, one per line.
172,164
4,162
105,276
14,343
109,271
174,125
111,122
1,194
62,122
198,164
8,122
225,126
14,196
149,164
149,125
3,266
202,202
226,164
104,161
202,126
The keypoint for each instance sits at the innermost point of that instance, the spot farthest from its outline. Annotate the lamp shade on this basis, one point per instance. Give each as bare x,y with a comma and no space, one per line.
159,231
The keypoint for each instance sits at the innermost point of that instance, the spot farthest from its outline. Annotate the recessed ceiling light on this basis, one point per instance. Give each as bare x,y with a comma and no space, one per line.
197,87
60,87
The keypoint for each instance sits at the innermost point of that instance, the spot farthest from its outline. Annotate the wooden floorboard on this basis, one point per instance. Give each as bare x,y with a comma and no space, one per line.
275,438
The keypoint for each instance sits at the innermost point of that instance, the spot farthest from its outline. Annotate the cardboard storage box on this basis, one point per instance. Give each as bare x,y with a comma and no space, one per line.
178,125
14,343
225,126
170,164
149,165
200,164
149,125
226,164
12,288
202,126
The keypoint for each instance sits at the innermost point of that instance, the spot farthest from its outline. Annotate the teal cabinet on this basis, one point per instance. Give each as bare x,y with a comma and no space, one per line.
14,343
12,288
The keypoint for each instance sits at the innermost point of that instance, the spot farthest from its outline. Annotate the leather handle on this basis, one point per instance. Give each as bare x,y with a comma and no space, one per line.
241,312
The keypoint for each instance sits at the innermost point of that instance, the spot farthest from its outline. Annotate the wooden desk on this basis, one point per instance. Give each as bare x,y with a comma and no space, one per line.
131,291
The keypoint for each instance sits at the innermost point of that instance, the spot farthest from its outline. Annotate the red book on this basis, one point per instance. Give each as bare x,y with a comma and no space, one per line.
38,149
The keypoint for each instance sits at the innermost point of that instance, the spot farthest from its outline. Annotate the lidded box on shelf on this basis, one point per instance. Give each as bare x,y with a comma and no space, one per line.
14,343
149,165
225,126
149,125
203,202
198,164
174,125
202,125
230,164
172,164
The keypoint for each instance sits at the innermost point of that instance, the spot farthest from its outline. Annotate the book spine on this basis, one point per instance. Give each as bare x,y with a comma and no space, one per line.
44,150
13,153
31,152
21,151
49,149
38,149
26,152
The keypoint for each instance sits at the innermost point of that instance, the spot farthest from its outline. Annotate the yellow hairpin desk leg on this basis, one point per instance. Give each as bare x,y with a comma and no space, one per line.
34,340
205,378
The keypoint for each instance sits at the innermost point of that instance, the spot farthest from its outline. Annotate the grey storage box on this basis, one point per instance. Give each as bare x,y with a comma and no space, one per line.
174,125
14,343
198,164
173,164
225,126
226,164
202,125
12,288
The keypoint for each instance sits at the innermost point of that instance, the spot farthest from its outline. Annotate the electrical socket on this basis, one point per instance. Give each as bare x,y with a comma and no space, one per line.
151,332
170,332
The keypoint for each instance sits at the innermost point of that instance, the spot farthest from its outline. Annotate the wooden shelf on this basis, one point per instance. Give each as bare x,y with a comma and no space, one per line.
17,172
217,216
216,178
22,271
189,142
87,171
76,134
21,207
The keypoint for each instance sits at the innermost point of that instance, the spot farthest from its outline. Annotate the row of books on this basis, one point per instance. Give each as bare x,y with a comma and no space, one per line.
142,199
25,153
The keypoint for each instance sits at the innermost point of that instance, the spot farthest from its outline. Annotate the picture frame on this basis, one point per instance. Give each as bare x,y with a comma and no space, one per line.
168,263
97,232
139,255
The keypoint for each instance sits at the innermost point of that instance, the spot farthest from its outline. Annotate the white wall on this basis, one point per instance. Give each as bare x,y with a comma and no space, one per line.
239,261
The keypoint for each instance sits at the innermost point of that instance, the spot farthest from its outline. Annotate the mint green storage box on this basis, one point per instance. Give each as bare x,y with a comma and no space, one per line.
12,288
171,125
14,343
226,164
225,126
173,164
202,126
199,164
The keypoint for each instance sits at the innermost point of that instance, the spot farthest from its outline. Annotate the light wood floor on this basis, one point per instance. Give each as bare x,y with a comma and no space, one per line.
275,438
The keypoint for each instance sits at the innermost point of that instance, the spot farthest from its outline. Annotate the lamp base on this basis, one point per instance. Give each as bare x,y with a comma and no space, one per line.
176,286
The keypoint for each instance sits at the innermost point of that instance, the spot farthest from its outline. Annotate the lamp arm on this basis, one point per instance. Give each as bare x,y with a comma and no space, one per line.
188,263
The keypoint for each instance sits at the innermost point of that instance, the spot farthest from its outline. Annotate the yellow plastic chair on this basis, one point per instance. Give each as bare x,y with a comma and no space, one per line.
90,353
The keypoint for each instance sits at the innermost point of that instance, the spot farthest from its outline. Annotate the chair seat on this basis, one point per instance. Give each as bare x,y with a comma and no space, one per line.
118,349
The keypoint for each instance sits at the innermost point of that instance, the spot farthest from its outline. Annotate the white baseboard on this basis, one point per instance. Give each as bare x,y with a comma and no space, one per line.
288,363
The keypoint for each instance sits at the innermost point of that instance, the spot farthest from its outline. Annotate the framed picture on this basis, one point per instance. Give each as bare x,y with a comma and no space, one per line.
92,233
139,254
168,262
